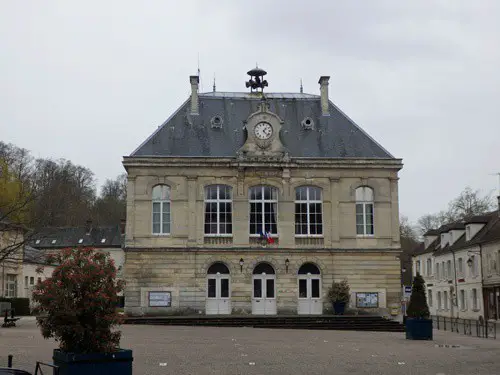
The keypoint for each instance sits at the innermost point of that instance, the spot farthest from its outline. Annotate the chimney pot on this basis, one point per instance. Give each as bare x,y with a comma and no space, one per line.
325,104
194,80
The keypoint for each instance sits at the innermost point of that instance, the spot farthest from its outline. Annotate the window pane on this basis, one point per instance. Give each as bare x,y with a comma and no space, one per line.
315,288
359,209
166,227
211,192
360,229
256,193
211,288
257,288
32,280
267,193
301,193
224,288
270,288
302,288
156,227
255,218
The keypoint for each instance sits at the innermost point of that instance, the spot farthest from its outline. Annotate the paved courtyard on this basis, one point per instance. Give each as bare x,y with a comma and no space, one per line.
233,351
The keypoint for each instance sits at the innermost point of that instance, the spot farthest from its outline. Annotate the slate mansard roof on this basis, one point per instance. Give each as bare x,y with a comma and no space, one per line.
62,237
186,135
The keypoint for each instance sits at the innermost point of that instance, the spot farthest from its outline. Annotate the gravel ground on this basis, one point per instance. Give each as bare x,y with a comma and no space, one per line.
232,351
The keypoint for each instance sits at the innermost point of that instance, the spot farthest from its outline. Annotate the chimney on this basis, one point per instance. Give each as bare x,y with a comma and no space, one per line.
123,222
498,198
88,226
194,80
323,87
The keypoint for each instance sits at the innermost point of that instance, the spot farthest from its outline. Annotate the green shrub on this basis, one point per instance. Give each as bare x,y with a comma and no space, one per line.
339,292
418,308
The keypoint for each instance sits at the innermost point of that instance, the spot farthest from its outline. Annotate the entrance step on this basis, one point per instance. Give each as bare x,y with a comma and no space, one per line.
324,322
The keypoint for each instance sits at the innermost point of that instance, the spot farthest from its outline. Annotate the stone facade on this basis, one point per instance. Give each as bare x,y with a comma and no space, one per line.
178,262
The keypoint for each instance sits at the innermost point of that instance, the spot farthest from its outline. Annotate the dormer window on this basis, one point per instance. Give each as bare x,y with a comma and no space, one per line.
451,237
467,233
53,241
80,240
103,240
37,242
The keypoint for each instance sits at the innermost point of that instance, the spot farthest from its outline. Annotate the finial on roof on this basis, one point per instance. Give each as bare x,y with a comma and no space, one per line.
214,83
301,87
257,79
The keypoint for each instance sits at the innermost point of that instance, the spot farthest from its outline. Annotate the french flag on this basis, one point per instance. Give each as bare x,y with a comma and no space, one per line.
267,236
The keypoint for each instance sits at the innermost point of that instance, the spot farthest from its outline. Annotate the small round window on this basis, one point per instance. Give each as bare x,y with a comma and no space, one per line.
307,123
216,121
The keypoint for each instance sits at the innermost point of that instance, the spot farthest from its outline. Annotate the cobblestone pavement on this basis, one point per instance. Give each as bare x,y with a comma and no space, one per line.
233,351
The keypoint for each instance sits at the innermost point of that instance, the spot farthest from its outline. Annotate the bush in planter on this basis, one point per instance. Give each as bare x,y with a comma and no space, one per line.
339,295
77,305
418,325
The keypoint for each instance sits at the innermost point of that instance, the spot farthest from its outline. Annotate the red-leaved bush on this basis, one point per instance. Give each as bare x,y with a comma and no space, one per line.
77,304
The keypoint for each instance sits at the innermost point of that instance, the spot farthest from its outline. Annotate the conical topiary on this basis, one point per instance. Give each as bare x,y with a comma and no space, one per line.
418,308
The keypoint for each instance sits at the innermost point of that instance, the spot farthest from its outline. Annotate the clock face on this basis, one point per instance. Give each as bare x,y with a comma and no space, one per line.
263,130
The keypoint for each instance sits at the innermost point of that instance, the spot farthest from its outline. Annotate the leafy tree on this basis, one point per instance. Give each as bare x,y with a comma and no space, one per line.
418,308
78,302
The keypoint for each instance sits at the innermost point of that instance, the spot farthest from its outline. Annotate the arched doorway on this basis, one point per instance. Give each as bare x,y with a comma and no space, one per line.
264,290
309,278
218,289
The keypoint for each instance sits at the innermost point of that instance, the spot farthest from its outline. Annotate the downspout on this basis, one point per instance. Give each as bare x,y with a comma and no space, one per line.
482,280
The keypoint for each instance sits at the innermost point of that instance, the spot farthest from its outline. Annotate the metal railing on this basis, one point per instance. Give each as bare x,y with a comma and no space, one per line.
469,327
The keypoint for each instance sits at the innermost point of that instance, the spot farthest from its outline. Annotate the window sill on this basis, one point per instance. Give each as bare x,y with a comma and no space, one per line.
161,234
365,236
309,236
218,235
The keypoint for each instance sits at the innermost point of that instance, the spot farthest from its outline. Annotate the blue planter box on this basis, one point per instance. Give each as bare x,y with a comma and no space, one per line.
339,308
119,363
418,329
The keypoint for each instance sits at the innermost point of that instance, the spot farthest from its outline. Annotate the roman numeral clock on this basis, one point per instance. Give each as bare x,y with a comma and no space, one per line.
263,126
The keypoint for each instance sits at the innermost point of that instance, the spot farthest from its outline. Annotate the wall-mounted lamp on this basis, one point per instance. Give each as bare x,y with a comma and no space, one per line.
287,263
403,269
469,262
241,264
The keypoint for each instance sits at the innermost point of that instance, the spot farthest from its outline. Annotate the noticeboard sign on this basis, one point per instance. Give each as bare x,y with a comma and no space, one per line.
367,300
160,299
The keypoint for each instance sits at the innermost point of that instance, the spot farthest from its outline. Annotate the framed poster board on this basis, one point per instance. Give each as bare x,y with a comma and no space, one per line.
160,299
367,300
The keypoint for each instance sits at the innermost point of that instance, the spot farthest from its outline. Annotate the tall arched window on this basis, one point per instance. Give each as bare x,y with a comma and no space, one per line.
263,210
308,211
364,211
218,210
161,209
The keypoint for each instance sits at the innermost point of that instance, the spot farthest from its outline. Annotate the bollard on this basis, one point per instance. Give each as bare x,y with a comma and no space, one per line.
9,361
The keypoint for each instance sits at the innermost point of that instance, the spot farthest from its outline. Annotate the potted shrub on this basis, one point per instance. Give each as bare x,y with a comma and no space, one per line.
339,295
77,306
418,326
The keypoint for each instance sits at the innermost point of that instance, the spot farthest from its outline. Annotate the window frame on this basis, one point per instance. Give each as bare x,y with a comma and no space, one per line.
10,280
263,201
162,202
364,204
308,202
218,202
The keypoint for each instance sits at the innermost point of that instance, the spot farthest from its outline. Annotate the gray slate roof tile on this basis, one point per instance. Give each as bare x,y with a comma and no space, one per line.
334,136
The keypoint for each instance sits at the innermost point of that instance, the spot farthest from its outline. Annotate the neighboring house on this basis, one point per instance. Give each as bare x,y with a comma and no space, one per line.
453,261
32,260
11,241
104,238
252,202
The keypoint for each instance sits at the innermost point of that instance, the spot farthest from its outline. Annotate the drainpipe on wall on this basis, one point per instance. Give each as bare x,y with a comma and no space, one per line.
482,280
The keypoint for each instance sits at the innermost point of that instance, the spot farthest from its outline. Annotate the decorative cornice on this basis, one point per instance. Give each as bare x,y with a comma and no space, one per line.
271,251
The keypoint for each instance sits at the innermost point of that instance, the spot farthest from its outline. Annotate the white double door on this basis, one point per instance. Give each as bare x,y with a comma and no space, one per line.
264,294
310,302
218,294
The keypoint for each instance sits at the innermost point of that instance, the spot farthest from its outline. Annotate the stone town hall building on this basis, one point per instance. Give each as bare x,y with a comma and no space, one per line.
255,202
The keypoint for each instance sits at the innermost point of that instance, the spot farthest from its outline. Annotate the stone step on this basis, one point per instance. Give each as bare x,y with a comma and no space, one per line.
366,323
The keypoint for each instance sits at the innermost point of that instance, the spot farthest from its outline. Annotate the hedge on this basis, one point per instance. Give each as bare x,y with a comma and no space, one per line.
21,306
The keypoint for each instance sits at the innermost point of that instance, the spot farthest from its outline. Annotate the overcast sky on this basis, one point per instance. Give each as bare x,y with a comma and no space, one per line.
90,80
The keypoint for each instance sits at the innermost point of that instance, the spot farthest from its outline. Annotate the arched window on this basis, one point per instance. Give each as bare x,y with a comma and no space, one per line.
364,211
161,209
308,211
263,267
263,210
218,210
218,267
309,268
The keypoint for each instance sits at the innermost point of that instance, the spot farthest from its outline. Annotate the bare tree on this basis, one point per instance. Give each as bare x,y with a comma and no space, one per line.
110,207
467,204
